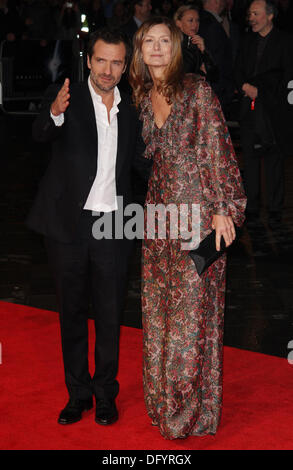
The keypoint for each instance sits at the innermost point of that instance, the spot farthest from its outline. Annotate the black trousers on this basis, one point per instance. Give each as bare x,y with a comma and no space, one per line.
89,270
273,166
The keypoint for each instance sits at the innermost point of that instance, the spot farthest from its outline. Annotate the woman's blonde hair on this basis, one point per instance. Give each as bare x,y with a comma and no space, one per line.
139,76
178,15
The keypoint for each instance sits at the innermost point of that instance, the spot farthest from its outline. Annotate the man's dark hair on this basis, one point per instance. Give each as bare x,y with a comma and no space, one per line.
271,7
110,36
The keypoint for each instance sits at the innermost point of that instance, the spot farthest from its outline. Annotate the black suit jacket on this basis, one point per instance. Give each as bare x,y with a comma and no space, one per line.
193,59
67,182
130,28
275,70
219,46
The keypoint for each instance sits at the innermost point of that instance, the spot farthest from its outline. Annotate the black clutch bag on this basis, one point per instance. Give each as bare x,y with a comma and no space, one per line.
206,253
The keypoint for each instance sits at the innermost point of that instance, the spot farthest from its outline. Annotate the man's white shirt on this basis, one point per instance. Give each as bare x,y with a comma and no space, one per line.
103,195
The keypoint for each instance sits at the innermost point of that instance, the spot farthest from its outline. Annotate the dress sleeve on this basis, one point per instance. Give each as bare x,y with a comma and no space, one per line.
219,172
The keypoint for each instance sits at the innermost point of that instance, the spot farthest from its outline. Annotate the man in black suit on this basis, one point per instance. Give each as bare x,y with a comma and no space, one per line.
263,69
219,46
96,140
140,12
231,28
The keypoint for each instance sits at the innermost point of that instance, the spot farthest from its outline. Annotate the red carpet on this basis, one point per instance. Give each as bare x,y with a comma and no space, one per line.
257,411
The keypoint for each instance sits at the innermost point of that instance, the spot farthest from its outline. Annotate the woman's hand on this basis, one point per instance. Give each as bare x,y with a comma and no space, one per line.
224,227
198,40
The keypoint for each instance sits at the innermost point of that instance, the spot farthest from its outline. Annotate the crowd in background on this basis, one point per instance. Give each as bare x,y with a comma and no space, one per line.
62,19
239,67
49,20
249,73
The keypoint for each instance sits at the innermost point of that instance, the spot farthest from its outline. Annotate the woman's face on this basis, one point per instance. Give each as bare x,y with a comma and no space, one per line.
157,46
189,23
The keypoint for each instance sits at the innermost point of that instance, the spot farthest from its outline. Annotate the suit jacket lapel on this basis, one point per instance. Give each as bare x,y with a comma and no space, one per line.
268,52
123,128
252,55
88,126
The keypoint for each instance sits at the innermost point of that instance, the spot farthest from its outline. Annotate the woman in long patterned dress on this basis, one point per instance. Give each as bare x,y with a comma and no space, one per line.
193,163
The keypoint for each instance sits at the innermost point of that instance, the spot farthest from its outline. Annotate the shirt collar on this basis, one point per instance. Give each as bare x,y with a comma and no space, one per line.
96,97
266,36
138,22
218,18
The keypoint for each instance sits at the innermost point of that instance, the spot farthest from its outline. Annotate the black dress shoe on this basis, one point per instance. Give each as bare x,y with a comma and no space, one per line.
106,412
73,411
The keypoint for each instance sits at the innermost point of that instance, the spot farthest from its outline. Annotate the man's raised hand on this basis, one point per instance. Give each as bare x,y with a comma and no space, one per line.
61,102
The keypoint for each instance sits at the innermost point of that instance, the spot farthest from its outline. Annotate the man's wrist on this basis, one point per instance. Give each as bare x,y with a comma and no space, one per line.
58,120
53,111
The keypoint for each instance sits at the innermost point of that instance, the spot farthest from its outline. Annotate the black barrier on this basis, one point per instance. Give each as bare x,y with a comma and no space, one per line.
27,68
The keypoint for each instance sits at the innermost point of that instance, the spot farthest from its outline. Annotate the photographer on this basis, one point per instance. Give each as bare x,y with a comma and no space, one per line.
69,21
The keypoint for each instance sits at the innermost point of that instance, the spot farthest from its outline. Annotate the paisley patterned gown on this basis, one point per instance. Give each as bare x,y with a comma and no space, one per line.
194,162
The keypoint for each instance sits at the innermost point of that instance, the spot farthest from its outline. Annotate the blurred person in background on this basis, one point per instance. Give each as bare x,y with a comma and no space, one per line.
196,59
219,45
263,69
284,20
140,11
119,17
238,13
95,15
165,8
69,20
231,28
10,22
178,3
54,7
108,6
35,15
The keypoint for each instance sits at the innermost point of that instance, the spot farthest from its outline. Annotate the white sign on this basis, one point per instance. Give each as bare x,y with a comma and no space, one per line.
290,96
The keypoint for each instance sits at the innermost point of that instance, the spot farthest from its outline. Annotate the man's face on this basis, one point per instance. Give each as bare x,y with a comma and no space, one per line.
106,65
217,6
258,18
222,6
144,9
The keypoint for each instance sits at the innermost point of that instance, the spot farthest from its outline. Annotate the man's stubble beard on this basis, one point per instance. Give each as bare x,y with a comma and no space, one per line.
95,82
